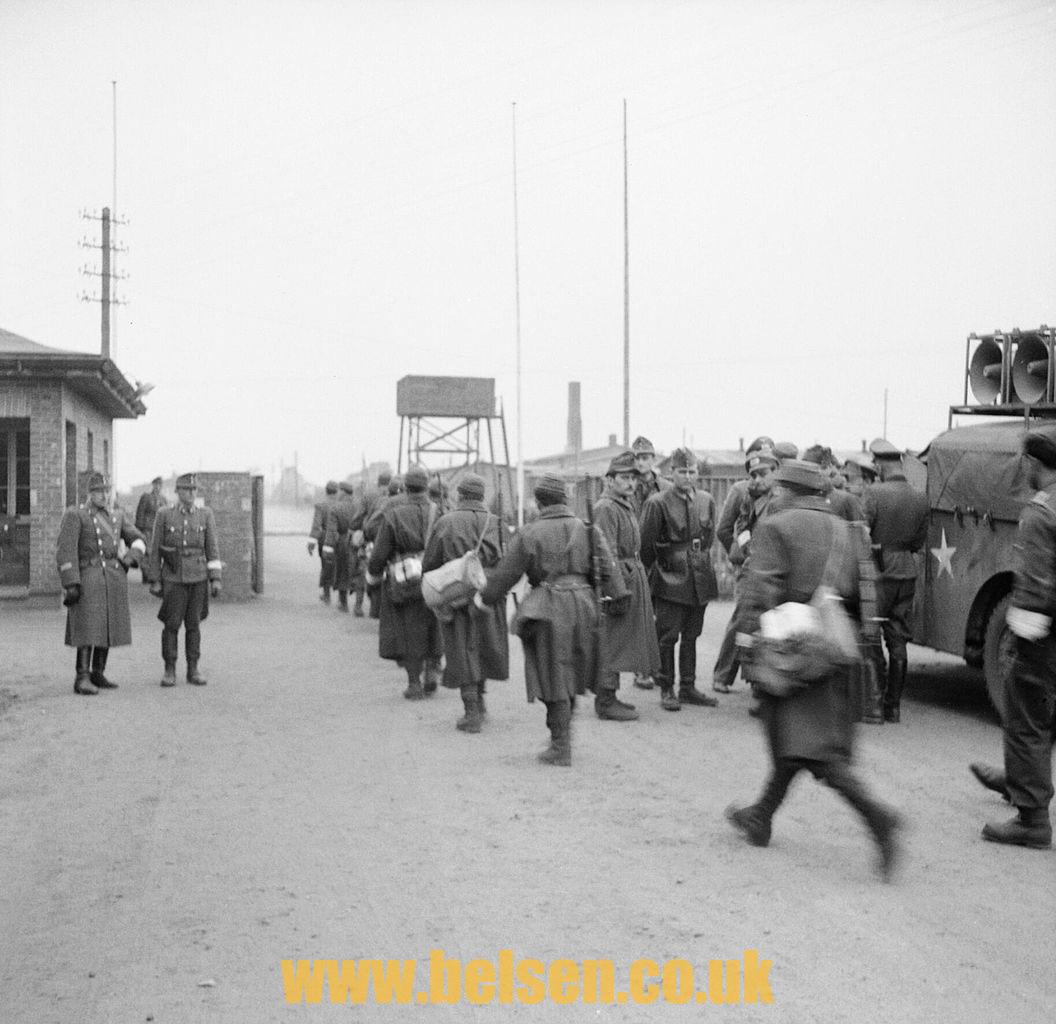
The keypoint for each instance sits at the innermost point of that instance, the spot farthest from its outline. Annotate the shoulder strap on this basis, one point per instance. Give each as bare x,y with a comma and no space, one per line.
483,530
837,554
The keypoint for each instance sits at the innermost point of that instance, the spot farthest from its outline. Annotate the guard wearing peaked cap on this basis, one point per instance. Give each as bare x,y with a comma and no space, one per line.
629,635
315,537
678,527
897,517
185,555
95,584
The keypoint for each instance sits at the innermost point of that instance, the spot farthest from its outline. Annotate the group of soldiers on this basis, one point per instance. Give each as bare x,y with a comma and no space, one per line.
176,548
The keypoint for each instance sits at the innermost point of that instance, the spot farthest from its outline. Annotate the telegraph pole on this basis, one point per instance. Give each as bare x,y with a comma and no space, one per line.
107,298
626,299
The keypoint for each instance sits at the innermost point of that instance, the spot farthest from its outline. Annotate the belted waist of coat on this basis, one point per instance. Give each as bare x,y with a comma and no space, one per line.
682,545
567,581
109,563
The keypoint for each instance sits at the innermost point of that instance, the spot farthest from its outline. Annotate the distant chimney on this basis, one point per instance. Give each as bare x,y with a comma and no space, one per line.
612,440
574,444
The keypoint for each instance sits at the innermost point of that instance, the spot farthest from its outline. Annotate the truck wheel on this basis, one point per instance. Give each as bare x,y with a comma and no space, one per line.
999,648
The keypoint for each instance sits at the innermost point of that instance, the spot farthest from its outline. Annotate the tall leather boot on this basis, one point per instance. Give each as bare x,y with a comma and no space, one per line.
559,719
666,679
325,595
871,690
470,721
434,675
170,645
687,676
99,656
754,820
193,643
883,822
481,690
896,680
606,704
414,689
342,600
82,681
357,608
1030,827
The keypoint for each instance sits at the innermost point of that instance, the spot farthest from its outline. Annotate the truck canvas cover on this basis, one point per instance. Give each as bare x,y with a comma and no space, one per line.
978,469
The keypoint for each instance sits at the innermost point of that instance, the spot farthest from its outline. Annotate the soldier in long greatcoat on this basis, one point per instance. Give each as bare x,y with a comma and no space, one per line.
389,487
629,639
95,583
558,620
475,642
146,512
408,632
811,728
343,536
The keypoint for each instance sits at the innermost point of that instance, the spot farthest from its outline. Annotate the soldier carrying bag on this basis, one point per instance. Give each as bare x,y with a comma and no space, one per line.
453,584
404,575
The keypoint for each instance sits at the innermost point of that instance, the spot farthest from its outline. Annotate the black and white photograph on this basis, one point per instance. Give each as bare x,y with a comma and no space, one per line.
523,510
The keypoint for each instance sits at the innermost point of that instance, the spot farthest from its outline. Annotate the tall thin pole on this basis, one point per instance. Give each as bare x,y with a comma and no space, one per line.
626,299
105,280
113,203
517,299
884,435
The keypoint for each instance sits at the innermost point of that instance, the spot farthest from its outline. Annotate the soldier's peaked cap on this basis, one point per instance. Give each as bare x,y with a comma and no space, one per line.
642,446
884,449
347,486
683,458
98,482
187,480
761,457
1041,447
863,460
622,463
762,441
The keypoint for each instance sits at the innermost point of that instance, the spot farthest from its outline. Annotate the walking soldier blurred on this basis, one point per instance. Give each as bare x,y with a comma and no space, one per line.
372,509
800,544
1030,696
897,517
629,639
146,512
408,633
184,547
316,535
343,535
475,644
558,620
678,527
95,583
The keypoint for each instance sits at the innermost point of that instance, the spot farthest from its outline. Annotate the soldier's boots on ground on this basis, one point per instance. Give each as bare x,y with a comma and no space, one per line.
325,595
194,677
481,690
99,680
990,777
668,700
434,674
643,682
1031,827
896,681
82,680
357,609
611,709
748,820
342,600
472,719
169,676
559,720
689,694
415,690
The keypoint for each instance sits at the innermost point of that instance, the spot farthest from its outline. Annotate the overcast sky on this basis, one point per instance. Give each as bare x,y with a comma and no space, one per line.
825,199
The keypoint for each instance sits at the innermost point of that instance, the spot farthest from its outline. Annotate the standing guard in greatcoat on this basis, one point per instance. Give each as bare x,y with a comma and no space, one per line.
630,643
95,583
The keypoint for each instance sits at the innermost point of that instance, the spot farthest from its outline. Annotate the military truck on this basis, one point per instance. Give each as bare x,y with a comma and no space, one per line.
977,485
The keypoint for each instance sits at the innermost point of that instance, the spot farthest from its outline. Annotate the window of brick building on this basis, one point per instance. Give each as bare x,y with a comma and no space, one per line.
14,467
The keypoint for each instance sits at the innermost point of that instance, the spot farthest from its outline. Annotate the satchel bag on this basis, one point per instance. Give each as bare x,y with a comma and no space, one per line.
826,642
452,585
404,575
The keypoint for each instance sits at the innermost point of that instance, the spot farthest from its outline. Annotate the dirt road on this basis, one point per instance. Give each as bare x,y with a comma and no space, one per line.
163,850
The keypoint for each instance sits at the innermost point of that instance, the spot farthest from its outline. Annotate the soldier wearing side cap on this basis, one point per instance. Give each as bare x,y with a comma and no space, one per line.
629,639
649,482
897,517
316,534
1030,695
184,547
678,527
95,583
